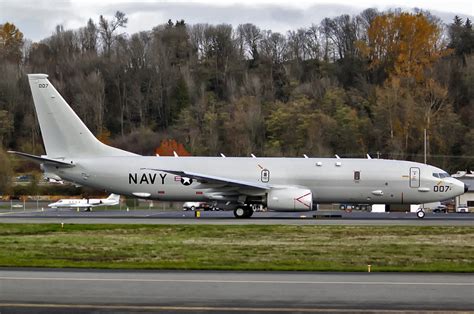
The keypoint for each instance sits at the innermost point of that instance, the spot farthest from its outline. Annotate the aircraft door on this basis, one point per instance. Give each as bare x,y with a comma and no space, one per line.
414,177
265,175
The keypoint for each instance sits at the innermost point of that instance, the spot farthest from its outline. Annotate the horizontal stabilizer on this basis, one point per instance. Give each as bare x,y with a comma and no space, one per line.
43,160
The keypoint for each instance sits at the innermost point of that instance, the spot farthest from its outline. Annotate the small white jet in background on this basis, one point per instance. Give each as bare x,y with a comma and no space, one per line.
86,203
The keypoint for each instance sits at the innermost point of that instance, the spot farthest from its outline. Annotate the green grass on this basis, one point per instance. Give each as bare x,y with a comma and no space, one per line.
248,247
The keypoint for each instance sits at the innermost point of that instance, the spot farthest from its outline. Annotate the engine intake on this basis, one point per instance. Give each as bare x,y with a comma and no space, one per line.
290,199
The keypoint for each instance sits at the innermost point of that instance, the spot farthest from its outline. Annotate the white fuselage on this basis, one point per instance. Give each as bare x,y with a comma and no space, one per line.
329,179
82,203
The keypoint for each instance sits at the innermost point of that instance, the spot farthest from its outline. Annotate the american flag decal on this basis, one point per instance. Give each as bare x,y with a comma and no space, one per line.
177,178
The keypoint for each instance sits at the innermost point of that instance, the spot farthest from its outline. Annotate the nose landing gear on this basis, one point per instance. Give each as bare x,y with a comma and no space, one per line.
420,213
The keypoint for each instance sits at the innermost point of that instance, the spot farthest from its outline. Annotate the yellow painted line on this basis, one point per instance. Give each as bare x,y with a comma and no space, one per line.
214,309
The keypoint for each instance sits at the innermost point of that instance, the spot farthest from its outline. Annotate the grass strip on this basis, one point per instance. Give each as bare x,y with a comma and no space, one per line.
239,247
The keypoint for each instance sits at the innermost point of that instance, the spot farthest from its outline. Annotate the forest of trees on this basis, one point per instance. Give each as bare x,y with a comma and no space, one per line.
349,85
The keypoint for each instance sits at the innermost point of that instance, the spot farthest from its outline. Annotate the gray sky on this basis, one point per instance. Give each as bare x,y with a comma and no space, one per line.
38,18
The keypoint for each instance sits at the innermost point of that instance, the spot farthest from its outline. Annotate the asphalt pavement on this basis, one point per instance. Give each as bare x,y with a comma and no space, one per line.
156,216
214,291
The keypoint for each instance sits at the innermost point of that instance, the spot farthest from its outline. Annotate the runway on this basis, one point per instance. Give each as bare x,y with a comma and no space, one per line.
205,291
177,217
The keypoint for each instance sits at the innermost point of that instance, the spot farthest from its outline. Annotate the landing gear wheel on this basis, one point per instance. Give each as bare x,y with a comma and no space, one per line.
420,214
248,212
240,212
243,212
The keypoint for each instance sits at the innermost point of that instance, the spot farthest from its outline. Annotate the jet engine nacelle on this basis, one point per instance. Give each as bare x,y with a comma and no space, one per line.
290,199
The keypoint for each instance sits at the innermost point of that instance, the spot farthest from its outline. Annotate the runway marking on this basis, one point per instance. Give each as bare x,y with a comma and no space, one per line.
24,212
388,283
215,309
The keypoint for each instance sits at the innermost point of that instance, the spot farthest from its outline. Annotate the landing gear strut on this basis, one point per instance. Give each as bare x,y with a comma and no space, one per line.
243,212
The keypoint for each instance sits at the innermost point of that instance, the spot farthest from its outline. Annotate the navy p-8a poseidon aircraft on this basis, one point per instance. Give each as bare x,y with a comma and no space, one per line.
281,184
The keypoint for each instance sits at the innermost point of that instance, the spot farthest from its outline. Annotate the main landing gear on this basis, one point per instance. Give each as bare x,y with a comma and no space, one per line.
243,212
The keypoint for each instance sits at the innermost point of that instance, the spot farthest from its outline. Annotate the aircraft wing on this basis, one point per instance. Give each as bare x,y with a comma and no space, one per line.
208,179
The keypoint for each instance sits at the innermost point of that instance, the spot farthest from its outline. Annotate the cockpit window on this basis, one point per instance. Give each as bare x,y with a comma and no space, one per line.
440,175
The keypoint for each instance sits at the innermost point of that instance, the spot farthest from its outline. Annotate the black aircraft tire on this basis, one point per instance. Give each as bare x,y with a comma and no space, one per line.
240,212
420,214
248,212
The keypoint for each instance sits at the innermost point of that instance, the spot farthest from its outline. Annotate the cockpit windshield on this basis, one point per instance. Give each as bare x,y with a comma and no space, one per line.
441,175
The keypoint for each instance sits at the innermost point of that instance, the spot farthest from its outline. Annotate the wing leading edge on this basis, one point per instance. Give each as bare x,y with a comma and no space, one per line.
208,179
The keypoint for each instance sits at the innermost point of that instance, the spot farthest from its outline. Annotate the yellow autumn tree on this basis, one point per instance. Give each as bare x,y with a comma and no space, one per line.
404,43
11,42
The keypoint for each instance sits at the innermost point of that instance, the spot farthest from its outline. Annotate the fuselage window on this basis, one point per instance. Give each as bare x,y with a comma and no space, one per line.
356,175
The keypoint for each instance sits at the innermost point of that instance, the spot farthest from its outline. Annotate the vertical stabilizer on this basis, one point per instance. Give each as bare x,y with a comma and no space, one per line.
114,197
64,134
